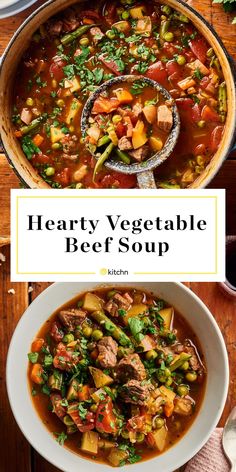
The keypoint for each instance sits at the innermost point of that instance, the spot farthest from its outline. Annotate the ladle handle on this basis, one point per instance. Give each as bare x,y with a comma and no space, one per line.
146,180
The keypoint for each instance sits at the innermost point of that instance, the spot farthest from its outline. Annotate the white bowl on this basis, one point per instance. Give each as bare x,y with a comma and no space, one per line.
212,343
7,3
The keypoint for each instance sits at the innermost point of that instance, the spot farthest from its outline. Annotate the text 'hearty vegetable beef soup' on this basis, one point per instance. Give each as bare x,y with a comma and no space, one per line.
117,376
79,49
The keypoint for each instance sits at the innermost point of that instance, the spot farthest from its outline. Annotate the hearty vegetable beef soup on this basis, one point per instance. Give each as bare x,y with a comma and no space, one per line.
117,376
76,51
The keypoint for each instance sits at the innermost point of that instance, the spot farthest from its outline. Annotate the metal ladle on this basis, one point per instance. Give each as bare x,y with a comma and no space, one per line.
145,175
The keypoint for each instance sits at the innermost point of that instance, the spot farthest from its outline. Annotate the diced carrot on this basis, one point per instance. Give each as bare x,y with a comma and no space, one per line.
36,374
87,21
124,96
94,354
38,139
105,105
84,393
208,114
18,133
37,345
168,409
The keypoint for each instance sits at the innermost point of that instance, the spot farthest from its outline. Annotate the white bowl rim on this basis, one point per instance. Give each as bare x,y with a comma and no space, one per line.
100,466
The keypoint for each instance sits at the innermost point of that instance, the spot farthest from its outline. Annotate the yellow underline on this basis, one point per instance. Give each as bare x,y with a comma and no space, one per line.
175,273
57,273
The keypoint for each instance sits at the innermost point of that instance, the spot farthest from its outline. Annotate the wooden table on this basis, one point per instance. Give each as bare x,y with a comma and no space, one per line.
15,452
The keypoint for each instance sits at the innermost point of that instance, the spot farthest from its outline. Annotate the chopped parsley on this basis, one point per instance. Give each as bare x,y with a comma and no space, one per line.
29,147
33,357
61,438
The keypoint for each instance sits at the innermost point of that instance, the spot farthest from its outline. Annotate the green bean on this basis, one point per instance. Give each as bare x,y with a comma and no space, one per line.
222,99
111,327
124,157
34,124
104,140
104,156
69,37
164,28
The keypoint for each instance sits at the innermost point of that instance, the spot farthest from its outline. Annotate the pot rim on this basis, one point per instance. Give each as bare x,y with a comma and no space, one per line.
230,60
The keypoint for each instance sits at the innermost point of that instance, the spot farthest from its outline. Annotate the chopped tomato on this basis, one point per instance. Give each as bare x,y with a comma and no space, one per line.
199,47
136,423
64,359
196,112
105,418
56,69
184,103
120,130
118,180
83,424
58,409
215,139
157,72
173,67
63,177
208,114
56,332
105,105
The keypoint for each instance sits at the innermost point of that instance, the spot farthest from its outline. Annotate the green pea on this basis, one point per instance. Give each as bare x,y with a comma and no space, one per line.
79,185
125,15
200,160
91,346
93,408
159,422
166,9
168,37
87,331
84,41
110,34
185,366
49,171
68,421
167,372
97,334
182,390
191,376
140,437
201,124
181,60
60,103
199,169
68,338
151,355
56,146
125,434
30,102
111,294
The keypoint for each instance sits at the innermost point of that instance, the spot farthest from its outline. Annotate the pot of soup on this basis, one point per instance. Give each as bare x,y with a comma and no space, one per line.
69,50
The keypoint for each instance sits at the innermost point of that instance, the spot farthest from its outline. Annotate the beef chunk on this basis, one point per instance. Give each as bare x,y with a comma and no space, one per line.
134,392
109,63
194,361
125,144
107,348
71,318
96,34
137,110
69,143
118,302
140,154
164,118
131,367
71,22
55,27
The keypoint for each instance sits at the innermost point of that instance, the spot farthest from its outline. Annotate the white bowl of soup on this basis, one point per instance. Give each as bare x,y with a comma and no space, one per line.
117,375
